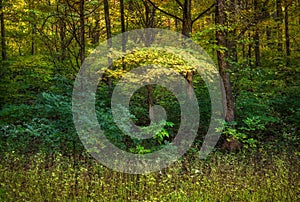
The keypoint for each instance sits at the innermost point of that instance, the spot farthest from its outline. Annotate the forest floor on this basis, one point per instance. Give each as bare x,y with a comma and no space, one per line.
243,176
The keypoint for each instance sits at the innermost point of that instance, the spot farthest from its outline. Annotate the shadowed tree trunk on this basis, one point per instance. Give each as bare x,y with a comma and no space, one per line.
249,54
256,36
256,48
287,35
279,22
123,28
33,26
62,34
268,34
107,23
3,41
82,31
187,18
149,23
96,30
108,37
220,19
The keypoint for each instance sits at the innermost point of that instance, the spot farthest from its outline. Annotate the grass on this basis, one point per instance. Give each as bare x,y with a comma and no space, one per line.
222,177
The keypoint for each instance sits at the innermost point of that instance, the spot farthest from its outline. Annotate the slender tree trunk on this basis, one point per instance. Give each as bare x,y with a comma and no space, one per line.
33,39
187,24
150,100
3,41
109,42
256,48
82,31
187,18
149,23
62,35
32,25
222,61
122,13
189,77
96,29
123,28
268,34
249,50
256,36
287,35
279,22
298,6
231,18
243,51
107,21
176,24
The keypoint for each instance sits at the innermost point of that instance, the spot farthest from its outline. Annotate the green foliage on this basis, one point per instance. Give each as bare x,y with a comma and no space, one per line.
24,78
241,133
121,138
249,177
46,126
43,159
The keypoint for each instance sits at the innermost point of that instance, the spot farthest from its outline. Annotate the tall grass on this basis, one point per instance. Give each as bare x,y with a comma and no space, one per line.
221,177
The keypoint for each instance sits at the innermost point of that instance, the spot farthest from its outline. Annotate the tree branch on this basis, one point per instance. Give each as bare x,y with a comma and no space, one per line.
179,3
203,13
169,14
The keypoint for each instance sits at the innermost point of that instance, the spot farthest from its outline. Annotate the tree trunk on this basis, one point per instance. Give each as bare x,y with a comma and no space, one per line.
256,48
62,35
187,24
82,31
231,18
190,88
287,35
150,100
222,61
109,42
249,50
32,25
149,23
107,21
176,24
187,18
150,13
123,28
122,13
33,39
256,36
96,30
279,22
3,41
268,34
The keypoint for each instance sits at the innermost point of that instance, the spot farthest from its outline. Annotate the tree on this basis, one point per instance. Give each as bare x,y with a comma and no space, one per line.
186,19
108,37
187,24
287,35
3,41
256,36
220,20
32,25
82,30
123,29
278,19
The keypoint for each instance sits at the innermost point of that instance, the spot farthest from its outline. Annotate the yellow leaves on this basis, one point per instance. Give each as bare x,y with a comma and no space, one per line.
118,73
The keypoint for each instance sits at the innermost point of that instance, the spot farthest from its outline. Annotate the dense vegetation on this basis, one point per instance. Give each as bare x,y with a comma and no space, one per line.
256,46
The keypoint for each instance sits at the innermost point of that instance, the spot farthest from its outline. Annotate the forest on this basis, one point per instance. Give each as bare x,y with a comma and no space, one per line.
168,63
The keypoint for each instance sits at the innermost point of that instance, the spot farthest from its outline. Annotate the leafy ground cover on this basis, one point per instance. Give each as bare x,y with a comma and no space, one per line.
256,176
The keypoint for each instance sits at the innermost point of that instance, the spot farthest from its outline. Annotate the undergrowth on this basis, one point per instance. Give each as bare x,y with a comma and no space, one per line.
258,176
